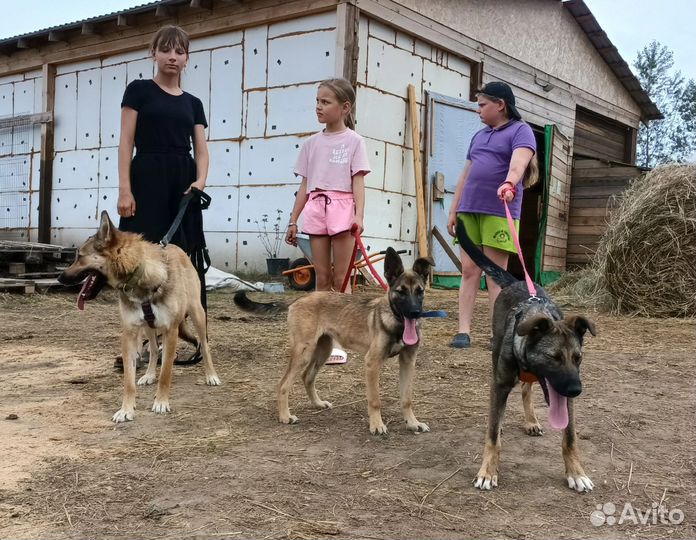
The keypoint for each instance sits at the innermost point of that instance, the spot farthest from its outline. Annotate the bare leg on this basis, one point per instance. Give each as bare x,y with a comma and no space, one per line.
321,259
471,278
342,246
500,258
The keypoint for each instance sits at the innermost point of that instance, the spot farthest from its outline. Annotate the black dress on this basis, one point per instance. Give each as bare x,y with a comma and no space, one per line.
163,168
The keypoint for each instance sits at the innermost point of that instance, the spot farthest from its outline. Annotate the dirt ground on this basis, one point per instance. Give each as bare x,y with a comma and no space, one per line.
221,466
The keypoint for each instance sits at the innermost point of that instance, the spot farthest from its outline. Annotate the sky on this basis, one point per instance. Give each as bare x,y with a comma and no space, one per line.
630,24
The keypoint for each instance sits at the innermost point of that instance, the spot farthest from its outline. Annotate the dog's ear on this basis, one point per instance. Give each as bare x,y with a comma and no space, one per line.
580,324
393,267
535,326
106,231
422,267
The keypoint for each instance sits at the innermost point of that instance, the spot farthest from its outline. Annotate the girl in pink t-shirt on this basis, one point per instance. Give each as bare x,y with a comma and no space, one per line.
331,197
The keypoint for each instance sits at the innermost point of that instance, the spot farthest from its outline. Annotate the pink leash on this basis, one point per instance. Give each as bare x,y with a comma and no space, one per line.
511,225
359,244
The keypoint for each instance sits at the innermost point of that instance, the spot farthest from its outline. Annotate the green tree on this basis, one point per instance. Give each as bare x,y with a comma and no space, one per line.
674,137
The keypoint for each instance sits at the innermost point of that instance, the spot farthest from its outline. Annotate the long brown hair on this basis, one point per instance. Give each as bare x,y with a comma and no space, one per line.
344,92
531,173
169,37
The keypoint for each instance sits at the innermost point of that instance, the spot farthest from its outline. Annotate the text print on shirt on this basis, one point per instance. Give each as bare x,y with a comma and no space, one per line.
339,155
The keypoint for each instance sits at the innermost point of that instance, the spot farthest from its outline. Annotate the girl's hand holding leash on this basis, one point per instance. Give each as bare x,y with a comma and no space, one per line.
198,184
291,234
506,191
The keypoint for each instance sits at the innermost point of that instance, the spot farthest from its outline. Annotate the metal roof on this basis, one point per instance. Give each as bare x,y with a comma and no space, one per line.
577,8
611,56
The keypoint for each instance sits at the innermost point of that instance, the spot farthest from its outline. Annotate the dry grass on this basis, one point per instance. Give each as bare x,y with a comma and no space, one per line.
644,264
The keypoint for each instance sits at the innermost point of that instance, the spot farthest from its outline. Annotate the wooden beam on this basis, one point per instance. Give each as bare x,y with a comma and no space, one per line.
123,20
475,79
347,21
164,11
201,4
46,173
228,18
26,119
56,36
22,43
89,29
414,118
447,247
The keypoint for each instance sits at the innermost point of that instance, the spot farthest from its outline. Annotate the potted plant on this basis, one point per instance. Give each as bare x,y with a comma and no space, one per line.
272,236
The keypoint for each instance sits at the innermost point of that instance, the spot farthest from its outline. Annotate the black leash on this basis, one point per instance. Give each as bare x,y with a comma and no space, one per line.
183,205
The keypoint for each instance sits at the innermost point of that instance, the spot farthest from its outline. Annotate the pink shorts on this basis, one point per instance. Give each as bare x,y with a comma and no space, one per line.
328,213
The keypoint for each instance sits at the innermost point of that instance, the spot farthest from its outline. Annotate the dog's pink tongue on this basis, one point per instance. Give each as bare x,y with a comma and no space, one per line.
558,408
410,332
81,296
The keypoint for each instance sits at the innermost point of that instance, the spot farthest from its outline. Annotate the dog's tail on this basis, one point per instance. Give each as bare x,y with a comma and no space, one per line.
244,303
496,273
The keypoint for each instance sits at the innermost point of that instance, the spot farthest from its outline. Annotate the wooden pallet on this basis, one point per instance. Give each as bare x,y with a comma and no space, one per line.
25,286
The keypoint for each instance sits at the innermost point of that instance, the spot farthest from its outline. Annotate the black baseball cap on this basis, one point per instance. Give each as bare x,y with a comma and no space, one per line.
502,91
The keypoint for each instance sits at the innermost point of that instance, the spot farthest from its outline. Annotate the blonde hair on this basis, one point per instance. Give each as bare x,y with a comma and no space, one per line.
169,37
344,92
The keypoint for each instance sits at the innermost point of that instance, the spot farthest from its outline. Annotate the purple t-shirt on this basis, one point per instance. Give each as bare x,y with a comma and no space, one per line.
490,152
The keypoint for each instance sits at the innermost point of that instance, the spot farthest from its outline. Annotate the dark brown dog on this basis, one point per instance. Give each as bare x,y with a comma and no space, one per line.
530,335
379,328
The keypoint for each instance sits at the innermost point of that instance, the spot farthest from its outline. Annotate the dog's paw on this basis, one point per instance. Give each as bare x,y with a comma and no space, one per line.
212,380
533,429
378,429
290,419
580,483
160,407
122,416
486,482
147,379
321,404
418,427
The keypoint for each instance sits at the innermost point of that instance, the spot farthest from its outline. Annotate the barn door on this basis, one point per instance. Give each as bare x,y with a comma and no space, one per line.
451,124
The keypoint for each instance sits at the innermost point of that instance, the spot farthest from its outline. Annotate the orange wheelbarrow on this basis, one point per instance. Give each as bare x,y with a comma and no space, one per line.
301,276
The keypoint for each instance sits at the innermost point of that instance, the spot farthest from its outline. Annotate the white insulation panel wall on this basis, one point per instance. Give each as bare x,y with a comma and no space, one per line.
259,112
388,62
258,88
19,157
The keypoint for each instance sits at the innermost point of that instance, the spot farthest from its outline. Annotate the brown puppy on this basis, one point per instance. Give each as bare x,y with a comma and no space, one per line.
379,328
158,287
530,335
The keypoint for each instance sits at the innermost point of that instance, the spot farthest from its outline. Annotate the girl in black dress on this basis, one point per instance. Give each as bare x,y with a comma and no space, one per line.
162,121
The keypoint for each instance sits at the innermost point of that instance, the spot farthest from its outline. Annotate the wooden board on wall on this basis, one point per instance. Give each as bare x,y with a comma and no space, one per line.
600,137
596,188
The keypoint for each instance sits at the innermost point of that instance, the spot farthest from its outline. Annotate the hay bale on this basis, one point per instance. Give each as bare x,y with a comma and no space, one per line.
647,256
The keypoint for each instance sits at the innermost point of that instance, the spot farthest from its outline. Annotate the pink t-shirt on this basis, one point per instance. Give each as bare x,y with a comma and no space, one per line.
330,160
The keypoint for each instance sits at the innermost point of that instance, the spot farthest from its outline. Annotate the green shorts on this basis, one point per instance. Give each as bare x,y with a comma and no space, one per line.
486,230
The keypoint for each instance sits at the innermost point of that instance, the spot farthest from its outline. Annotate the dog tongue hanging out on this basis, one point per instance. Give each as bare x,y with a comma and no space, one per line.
379,328
532,341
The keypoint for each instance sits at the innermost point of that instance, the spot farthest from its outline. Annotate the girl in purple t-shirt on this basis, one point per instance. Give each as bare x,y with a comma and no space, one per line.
500,156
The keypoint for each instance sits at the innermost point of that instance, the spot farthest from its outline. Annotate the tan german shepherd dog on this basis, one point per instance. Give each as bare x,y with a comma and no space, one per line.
379,328
158,287
531,337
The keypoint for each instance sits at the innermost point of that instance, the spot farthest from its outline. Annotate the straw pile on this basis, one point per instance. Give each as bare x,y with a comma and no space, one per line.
648,254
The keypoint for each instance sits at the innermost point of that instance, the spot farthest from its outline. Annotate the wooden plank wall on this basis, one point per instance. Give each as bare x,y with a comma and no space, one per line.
595,189
554,259
599,137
